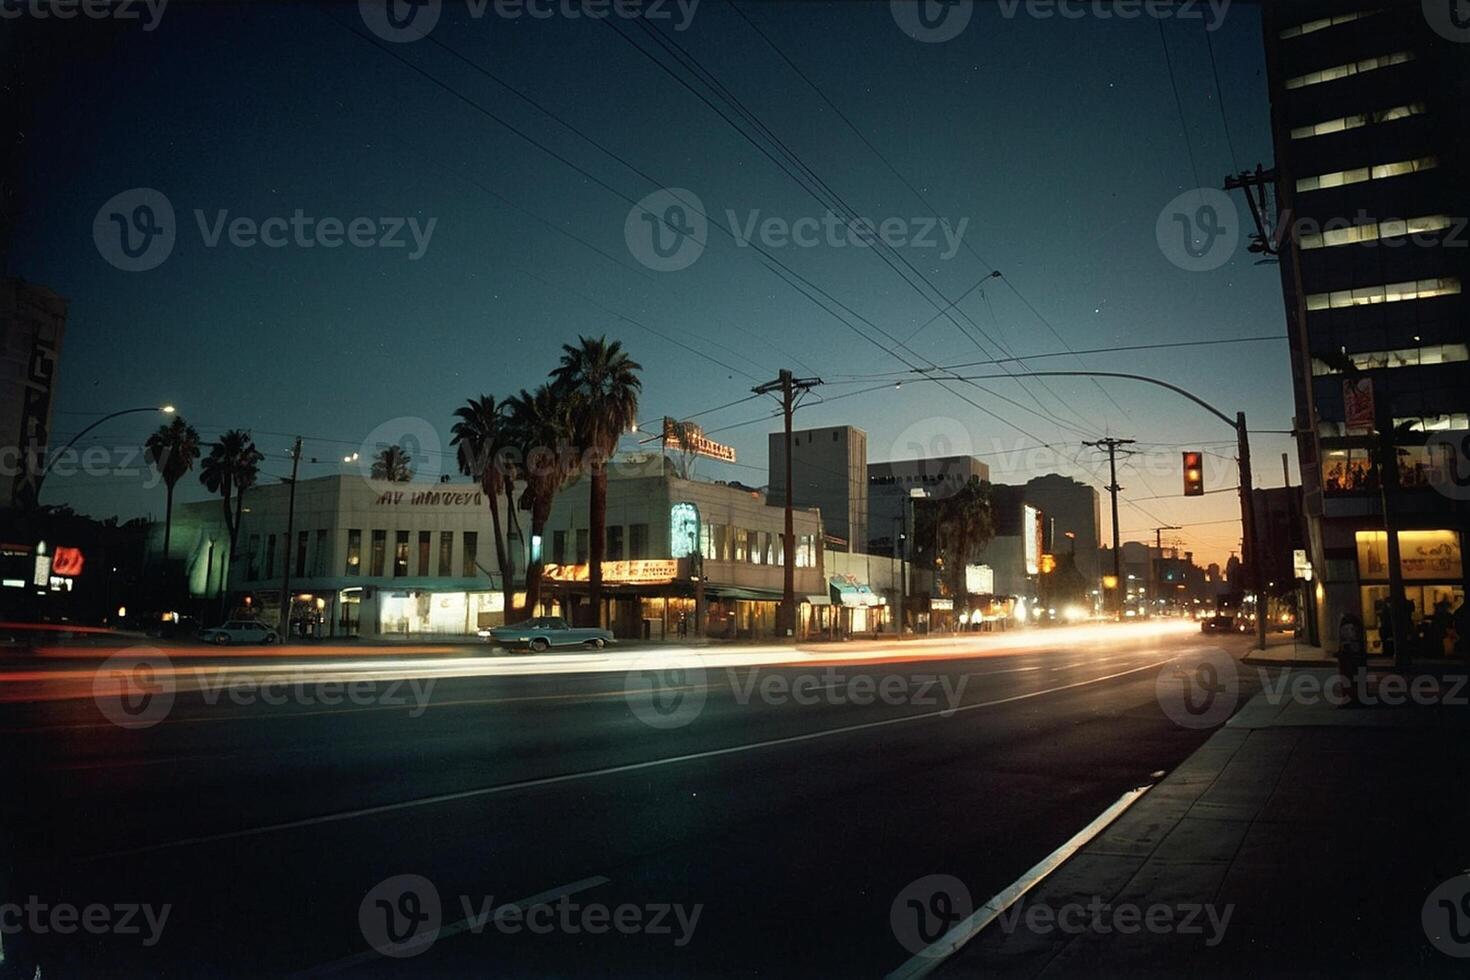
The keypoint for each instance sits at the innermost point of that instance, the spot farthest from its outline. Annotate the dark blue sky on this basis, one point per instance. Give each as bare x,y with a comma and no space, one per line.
1058,140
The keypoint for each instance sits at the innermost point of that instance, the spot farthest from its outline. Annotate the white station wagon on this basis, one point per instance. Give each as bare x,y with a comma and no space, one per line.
239,631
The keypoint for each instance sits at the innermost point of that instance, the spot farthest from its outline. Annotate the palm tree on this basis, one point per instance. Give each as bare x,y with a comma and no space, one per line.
479,441
172,450
965,525
393,463
539,429
601,386
231,468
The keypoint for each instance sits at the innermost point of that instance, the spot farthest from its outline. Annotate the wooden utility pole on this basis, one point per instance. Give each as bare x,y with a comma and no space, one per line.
1111,445
1156,567
286,545
787,385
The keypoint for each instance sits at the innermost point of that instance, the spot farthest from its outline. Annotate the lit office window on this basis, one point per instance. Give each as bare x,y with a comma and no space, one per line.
1405,357
1453,422
1343,123
1394,292
1374,231
400,554
1338,72
1323,23
1359,175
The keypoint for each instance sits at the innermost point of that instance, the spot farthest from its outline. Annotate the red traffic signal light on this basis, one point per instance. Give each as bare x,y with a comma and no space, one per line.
1194,474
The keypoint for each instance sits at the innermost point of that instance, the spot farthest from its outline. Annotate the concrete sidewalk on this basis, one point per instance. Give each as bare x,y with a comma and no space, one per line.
1302,839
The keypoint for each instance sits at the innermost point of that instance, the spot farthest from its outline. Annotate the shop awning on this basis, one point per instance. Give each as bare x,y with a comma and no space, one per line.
849,592
817,600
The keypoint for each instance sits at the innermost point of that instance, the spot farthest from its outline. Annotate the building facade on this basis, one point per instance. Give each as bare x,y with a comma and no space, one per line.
829,471
32,322
1369,115
892,485
1074,517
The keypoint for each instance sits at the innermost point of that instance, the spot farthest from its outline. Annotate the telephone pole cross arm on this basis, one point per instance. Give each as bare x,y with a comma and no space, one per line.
788,385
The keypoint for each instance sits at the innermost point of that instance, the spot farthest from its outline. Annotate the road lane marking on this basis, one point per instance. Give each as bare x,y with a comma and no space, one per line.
932,956
542,781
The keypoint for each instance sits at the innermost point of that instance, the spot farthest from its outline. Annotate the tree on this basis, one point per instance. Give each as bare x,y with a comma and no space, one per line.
231,468
601,386
393,463
964,525
479,438
539,429
172,450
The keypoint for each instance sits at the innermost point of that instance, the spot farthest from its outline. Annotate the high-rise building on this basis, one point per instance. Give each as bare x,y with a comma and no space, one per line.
893,484
829,471
1074,515
32,321
1370,105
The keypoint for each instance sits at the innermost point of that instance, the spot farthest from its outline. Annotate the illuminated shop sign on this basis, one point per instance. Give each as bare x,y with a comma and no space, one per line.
690,438
647,571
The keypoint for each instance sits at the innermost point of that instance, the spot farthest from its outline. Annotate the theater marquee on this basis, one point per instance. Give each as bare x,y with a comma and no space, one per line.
648,571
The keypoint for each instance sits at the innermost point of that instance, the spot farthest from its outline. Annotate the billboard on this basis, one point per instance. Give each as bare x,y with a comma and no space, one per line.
1031,533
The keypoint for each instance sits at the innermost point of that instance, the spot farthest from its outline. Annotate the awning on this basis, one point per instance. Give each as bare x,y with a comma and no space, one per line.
849,592
817,600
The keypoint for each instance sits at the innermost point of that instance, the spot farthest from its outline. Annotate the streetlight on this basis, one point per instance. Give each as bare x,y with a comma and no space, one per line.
165,409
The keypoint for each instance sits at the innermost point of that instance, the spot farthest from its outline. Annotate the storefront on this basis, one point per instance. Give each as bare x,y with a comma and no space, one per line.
1434,583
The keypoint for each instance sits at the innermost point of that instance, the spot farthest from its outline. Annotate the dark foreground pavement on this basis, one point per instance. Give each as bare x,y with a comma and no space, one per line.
673,822
1302,840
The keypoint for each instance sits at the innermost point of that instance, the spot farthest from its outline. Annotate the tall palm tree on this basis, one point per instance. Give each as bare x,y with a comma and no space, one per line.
231,468
479,441
539,428
966,523
393,463
601,386
172,450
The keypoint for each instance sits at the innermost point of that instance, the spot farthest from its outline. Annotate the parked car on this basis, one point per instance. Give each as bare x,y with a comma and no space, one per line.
240,631
544,632
1219,623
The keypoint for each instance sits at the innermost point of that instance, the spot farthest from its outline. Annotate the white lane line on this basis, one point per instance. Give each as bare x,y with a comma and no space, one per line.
609,771
474,924
932,956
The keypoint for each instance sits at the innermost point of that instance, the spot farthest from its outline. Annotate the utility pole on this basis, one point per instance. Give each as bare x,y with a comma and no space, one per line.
1111,445
1156,566
788,385
1249,552
286,545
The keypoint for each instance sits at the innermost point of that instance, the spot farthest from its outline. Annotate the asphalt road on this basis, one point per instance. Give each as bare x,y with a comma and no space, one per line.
677,816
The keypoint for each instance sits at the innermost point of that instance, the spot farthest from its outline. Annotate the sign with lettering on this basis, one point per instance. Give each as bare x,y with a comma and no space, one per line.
642,571
1423,555
430,498
67,561
690,438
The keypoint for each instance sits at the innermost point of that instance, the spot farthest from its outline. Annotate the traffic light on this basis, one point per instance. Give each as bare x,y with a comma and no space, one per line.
1194,474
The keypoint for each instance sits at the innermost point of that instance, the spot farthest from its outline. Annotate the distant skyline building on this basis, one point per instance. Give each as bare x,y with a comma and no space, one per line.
1371,129
1075,508
829,471
891,483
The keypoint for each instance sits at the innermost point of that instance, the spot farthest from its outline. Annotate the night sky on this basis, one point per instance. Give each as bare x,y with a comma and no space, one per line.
1059,141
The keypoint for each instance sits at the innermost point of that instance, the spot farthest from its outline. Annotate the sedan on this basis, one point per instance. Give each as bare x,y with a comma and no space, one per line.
240,631
544,632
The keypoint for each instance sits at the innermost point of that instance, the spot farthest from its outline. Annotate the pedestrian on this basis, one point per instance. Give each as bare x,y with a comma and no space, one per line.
1440,624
